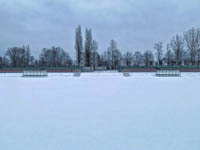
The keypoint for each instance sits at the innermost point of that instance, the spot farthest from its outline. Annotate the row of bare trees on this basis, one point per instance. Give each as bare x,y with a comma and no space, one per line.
17,57
21,57
181,50
112,58
54,57
85,55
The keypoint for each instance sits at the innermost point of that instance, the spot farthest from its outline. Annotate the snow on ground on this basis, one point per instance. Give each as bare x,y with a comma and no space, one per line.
100,111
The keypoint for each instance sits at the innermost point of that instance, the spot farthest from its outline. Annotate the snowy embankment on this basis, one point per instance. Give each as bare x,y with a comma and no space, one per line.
100,111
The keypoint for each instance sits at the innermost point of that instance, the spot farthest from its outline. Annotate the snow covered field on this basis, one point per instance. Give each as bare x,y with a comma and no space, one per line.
100,111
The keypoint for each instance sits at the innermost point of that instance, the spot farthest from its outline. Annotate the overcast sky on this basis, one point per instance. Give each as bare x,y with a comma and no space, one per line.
134,24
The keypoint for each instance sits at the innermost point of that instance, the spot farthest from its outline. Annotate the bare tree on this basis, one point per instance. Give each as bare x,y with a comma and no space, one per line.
79,45
27,58
103,60
5,61
198,57
12,54
117,59
54,57
177,44
138,58
169,56
159,52
148,58
88,47
111,49
192,38
19,56
114,56
128,59
94,54
1,61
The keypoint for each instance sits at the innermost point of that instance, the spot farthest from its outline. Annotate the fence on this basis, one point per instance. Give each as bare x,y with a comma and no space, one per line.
48,69
154,69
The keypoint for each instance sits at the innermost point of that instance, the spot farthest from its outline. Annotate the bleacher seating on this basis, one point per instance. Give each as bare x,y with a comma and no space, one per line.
77,74
168,73
126,74
35,73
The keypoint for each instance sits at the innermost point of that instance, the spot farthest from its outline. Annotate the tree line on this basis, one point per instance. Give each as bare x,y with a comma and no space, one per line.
182,50
49,57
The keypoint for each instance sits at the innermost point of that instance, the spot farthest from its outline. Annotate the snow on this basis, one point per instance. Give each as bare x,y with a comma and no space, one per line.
100,111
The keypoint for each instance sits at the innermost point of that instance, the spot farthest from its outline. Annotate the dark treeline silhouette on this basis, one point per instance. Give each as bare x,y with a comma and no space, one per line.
182,50
21,57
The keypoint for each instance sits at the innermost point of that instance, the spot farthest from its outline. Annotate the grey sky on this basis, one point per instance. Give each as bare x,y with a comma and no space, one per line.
134,24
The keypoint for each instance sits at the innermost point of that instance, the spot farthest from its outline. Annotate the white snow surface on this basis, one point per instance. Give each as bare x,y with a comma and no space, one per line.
100,111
